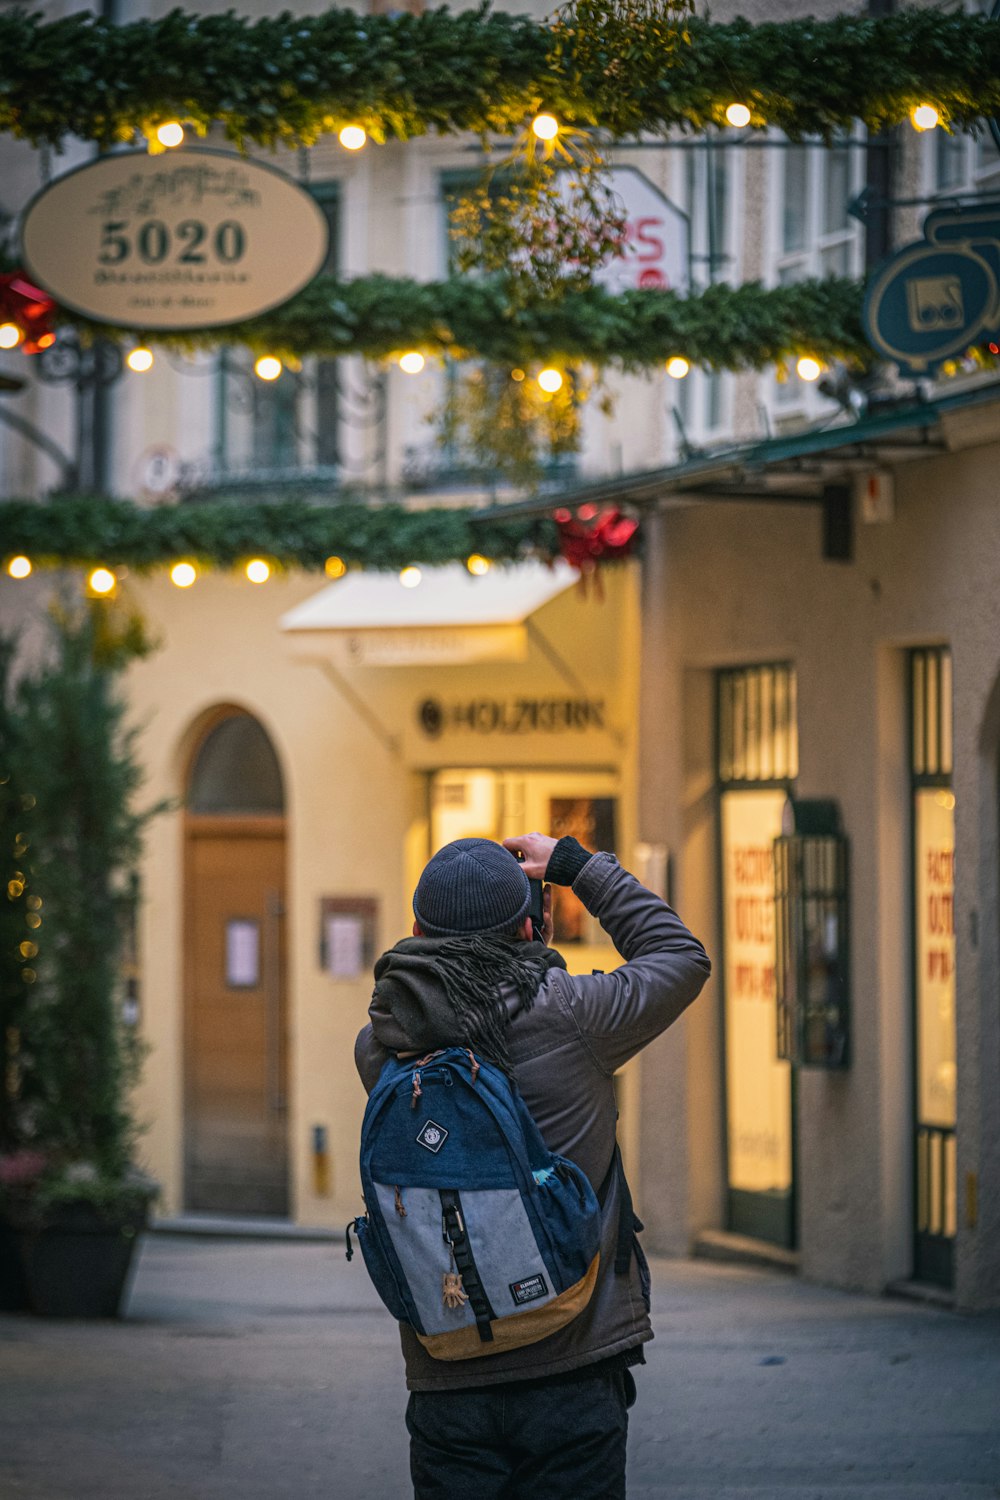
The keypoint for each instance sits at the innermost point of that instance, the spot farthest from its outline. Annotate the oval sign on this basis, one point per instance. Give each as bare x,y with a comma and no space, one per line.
186,240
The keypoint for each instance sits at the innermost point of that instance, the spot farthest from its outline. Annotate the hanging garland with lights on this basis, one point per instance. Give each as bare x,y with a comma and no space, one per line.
291,79
745,327
87,530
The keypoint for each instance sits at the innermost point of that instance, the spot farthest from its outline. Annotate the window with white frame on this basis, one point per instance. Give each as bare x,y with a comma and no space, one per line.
816,235
813,233
703,399
289,424
960,163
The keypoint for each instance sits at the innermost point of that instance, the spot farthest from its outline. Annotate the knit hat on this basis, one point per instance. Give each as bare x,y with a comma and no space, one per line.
472,885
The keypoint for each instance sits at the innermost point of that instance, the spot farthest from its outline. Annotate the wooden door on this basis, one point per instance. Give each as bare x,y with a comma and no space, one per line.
236,1147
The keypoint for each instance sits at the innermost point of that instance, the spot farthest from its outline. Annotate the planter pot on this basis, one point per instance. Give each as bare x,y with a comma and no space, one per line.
77,1260
13,1286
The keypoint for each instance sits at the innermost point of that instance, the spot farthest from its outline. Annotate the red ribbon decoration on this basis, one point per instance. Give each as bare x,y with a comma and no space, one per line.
30,308
591,536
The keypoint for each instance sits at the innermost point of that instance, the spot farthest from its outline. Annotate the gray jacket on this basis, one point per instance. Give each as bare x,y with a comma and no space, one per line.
565,1051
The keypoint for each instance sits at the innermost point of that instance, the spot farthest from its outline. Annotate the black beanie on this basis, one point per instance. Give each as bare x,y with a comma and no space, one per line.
472,885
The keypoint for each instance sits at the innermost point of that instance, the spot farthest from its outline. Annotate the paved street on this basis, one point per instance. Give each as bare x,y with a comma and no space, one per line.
257,1371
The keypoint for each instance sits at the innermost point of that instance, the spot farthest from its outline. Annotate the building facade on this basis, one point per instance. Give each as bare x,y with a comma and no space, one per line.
811,619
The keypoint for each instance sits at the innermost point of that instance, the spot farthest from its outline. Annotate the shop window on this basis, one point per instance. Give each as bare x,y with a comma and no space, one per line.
933,805
496,804
757,759
236,771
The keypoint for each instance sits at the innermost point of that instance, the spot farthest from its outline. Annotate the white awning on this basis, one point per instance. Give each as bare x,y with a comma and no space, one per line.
448,617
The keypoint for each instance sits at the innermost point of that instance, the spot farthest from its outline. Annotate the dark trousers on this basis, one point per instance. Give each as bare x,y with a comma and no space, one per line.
560,1439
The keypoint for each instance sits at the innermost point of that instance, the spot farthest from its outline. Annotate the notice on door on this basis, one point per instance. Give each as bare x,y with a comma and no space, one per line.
242,954
758,1090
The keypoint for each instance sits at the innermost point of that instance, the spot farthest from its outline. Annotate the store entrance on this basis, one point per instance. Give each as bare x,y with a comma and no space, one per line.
496,804
236,1147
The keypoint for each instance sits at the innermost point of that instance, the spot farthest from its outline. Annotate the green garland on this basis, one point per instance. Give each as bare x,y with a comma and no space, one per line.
86,530
293,78
723,327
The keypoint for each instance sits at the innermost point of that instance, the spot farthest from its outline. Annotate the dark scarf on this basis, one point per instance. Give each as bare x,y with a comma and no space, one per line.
455,992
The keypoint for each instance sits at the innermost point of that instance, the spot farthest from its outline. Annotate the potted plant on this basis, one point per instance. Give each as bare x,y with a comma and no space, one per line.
69,1187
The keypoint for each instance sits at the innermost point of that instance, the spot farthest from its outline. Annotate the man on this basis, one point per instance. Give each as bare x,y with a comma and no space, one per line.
548,1420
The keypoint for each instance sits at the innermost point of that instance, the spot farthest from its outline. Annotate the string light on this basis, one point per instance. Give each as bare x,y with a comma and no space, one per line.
170,134
545,127
10,335
258,570
335,567
19,567
677,367
101,581
738,115
267,367
550,381
478,565
924,117
517,375
412,362
183,574
808,368
140,359
410,577
352,137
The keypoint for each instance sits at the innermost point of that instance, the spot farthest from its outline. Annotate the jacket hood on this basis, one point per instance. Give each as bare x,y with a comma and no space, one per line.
456,991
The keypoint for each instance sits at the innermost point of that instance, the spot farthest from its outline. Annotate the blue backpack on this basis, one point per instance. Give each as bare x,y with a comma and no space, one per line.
475,1234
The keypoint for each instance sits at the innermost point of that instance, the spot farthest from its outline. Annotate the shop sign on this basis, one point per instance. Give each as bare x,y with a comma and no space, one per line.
437,645
511,715
758,1093
186,240
656,251
939,294
935,956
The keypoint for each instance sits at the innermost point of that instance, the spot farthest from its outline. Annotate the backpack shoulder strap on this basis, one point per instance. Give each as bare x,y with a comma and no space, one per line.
628,1223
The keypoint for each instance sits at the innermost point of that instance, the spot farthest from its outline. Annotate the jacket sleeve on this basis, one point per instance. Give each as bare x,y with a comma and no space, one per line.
665,965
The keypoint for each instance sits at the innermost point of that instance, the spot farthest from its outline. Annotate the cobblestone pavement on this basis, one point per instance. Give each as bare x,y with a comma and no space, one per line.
258,1370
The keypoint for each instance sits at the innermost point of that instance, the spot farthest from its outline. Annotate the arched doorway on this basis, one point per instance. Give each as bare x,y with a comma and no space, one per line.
235,1025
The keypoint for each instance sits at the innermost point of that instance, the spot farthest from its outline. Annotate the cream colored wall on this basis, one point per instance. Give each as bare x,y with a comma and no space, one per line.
743,583
356,807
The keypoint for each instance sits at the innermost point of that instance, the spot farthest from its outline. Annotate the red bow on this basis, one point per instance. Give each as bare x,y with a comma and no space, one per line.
591,537
30,308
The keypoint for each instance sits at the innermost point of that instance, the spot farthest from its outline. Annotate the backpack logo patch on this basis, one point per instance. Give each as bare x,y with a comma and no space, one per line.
528,1290
433,1136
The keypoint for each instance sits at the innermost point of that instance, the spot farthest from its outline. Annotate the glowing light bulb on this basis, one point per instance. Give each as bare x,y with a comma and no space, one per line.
677,367
267,367
10,335
102,581
517,375
258,570
478,565
808,368
19,567
170,134
738,115
183,574
352,137
545,127
335,567
410,577
140,360
412,362
550,381
924,117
